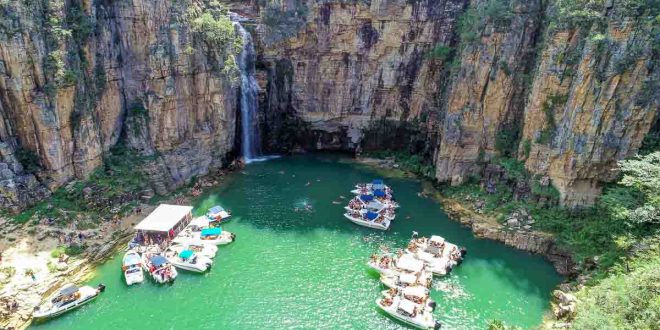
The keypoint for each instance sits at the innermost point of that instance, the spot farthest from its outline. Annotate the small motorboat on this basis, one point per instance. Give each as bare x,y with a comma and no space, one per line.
131,265
368,219
199,231
67,298
203,249
403,280
419,295
188,260
159,268
408,312
218,214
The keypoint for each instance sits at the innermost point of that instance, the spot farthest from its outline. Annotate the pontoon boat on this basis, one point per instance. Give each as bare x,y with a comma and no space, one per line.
68,298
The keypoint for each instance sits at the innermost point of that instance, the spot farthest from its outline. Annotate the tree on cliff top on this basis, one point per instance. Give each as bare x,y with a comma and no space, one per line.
637,200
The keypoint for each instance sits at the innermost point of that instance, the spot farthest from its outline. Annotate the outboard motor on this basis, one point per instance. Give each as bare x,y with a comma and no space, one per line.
437,325
432,304
448,269
233,236
100,287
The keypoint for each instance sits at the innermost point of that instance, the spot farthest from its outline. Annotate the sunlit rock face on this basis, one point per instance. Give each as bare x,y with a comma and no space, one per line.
69,96
343,67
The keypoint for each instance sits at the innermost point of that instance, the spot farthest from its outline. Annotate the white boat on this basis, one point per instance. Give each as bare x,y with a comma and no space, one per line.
439,255
188,260
159,268
408,312
218,213
419,295
199,231
203,249
68,298
131,265
358,205
368,219
402,280
390,265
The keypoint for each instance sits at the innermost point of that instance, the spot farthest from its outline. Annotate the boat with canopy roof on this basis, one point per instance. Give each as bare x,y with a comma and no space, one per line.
439,255
218,214
368,219
408,312
402,280
160,269
131,266
199,231
203,249
364,203
68,298
391,265
188,260
419,295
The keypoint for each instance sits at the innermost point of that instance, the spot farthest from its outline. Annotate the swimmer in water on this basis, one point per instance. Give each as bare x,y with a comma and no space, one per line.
307,184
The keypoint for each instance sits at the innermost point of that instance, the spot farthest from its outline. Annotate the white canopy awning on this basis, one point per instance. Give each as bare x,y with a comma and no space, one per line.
415,291
201,222
164,218
437,239
407,278
409,263
407,306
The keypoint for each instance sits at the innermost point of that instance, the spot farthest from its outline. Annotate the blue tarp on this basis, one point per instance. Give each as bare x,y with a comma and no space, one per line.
216,209
211,231
366,198
377,181
185,254
158,261
379,193
372,215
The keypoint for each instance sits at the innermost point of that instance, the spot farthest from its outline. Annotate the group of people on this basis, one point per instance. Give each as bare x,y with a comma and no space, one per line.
383,262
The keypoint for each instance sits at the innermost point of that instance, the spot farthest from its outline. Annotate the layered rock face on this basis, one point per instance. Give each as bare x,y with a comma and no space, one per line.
342,67
72,75
487,92
591,104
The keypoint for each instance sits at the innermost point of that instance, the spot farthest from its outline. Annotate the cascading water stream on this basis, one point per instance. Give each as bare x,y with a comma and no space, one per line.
250,137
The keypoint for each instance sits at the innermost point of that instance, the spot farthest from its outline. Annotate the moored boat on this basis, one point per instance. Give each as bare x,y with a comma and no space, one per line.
403,280
419,295
218,214
408,312
188,260
439,255
159,268
203,249
368,219
66,299
132,267
199,231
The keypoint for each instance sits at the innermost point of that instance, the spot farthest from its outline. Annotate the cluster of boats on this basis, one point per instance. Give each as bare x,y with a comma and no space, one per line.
409,276
373,206
193,249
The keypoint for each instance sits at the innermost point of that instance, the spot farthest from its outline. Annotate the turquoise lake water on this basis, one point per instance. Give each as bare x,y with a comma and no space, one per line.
307,270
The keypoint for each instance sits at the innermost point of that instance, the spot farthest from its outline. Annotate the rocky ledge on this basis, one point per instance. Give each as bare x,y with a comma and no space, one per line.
518,237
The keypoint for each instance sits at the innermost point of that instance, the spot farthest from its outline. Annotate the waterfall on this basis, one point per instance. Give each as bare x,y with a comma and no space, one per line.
250,139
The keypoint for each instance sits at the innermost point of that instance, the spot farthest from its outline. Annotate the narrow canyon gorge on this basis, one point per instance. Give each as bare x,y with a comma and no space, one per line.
450,81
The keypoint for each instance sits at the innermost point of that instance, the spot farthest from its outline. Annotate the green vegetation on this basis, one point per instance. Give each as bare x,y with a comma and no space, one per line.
57,252
212,23
616,243
110,189
551,104
442,52
408,162
500,325
28,159
629,298
472,23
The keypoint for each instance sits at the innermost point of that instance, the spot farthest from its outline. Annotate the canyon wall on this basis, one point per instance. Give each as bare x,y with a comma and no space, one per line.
460,83
342,68
473,81
76,77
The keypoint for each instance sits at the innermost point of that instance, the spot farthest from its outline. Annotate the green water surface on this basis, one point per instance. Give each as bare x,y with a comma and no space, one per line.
306,269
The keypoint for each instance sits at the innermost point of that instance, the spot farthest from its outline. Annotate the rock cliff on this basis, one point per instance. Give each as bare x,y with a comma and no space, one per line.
77,77
460,83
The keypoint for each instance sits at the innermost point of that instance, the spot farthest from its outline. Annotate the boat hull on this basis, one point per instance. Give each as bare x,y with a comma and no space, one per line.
368,224
51,314
422,324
